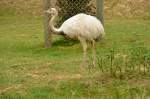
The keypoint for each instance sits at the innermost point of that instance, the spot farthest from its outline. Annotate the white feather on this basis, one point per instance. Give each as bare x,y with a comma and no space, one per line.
85,26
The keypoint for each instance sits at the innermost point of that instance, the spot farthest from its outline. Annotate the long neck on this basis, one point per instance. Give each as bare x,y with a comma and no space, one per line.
55,30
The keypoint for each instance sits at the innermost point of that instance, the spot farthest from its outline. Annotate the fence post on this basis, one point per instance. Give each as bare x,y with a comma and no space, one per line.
47,31
100,10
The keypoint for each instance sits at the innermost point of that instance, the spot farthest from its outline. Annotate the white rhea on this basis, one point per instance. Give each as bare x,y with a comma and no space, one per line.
85,28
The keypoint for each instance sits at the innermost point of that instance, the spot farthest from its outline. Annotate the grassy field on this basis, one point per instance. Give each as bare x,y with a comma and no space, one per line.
30,71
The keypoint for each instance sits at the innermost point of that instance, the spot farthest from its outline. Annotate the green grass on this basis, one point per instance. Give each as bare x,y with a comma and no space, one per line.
30,71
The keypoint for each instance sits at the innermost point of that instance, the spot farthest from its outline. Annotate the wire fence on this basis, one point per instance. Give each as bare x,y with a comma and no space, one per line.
69,8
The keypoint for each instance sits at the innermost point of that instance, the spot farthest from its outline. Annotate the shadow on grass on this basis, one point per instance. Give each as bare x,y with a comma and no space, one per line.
65,42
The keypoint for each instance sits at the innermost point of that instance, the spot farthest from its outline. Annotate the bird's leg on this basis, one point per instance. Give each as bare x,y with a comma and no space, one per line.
94,53
84,45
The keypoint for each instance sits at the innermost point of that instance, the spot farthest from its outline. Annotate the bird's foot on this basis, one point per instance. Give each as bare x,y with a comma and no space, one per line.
83,67
84,64
94,64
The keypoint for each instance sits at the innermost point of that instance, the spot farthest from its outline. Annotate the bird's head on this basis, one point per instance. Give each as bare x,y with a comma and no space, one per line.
52,11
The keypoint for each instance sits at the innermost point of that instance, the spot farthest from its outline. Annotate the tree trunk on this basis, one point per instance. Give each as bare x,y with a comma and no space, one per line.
47,31
100,10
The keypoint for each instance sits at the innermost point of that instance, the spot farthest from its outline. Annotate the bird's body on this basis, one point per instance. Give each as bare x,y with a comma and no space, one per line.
82,25
85,28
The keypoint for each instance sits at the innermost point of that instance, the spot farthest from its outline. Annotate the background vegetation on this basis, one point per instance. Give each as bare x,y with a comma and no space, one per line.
113,8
